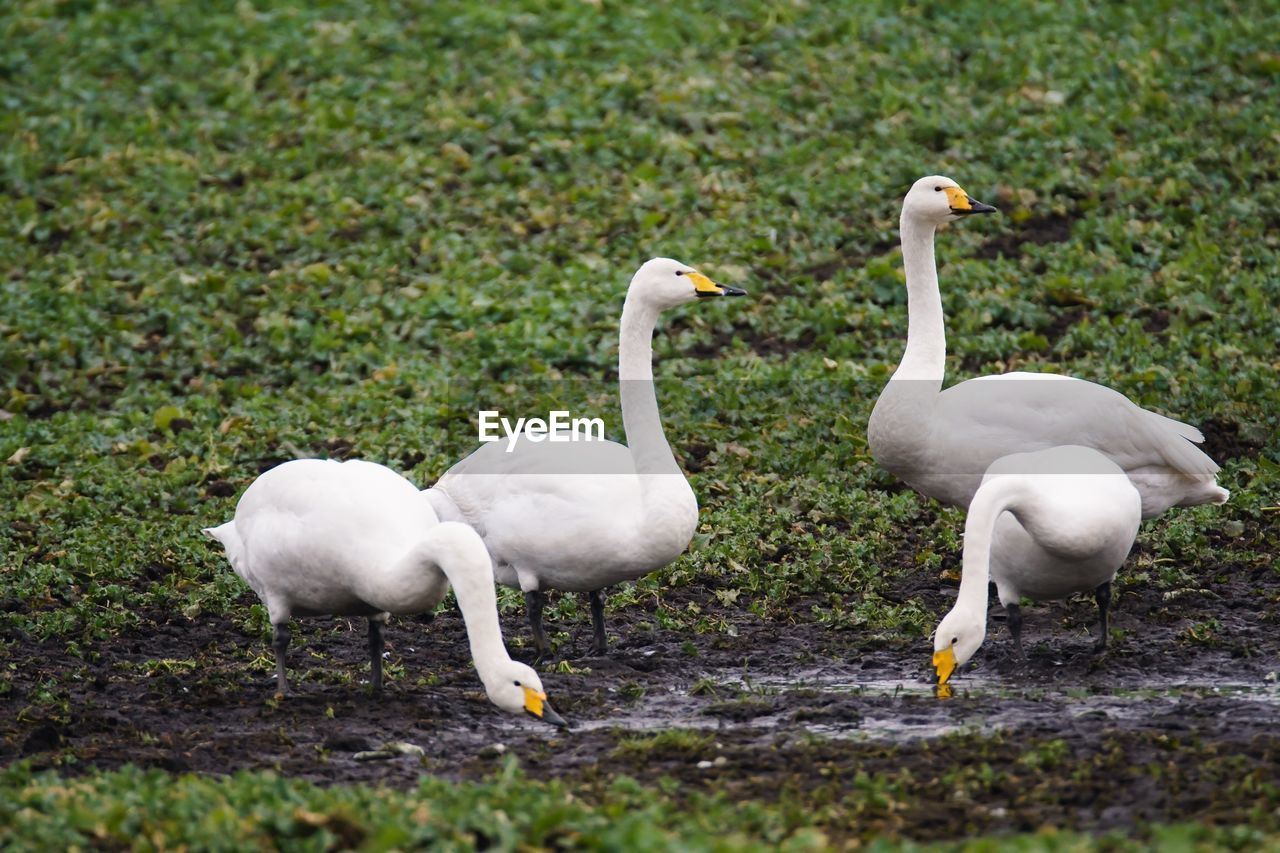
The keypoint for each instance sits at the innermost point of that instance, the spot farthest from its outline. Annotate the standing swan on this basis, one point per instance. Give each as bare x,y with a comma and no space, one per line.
941,442
1043,525
586,515
315,537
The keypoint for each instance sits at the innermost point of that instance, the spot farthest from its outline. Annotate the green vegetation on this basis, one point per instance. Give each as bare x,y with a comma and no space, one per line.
683,742
155,810
237,233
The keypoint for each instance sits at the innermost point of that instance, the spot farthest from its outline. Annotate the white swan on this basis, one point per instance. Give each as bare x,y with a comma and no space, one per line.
941,442
315,537
1044,525
583,516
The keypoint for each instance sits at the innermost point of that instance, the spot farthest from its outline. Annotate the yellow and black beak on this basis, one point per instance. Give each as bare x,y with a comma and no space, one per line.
704,287
536,705
963,205
944,663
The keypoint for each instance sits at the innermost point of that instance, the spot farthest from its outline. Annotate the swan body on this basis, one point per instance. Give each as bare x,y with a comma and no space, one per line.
315,537
1043,525
542,520
585,515
941,442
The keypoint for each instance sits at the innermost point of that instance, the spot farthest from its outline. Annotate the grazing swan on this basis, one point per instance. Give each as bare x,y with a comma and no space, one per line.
315,537
941,442
1043,525
585,515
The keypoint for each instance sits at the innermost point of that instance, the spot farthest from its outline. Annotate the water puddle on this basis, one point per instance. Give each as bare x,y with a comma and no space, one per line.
884,707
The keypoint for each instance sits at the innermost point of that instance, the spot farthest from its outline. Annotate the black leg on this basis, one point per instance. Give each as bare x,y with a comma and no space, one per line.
1014,620
601,644
280,644
1103,596
375,656
534,601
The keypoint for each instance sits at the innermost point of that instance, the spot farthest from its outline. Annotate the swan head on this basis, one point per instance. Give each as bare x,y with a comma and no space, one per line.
667,283
959,635
938,199
515,687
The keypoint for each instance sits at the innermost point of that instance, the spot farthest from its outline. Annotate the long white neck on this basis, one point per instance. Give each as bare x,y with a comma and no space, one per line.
899,430
645,438
459,552
992,499
926,354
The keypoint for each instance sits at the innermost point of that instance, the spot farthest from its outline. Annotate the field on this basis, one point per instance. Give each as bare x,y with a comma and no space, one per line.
233,234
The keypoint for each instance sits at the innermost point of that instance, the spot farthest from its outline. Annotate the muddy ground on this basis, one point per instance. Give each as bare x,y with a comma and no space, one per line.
1176,722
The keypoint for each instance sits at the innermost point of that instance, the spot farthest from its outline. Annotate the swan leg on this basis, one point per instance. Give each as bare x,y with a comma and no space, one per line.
535,600
1014,620
1102,595
280,645
601,644
375,656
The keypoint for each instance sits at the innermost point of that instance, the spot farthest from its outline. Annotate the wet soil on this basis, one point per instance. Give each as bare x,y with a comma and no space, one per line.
1038,230
1177,721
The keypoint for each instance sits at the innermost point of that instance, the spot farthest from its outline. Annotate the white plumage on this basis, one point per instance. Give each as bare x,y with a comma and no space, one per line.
1043,525
316,537
583,516
941,442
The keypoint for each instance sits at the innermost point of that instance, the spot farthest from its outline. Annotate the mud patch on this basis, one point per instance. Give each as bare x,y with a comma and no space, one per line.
1224,440
1176,722
762,344
845,257
1037,231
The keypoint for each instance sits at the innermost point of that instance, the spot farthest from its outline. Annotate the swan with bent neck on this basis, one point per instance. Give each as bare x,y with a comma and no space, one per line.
584,515
316,537
941,442
1044,525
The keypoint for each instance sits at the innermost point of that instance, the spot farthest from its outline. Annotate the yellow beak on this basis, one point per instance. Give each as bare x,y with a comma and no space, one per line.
704,286
534,700
535,703
963,205
944,663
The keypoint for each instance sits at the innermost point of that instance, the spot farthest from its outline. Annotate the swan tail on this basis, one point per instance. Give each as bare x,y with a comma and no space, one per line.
231,543
1177,444
1187,431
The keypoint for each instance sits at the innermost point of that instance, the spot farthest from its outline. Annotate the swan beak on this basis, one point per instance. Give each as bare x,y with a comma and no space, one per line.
963,205
550,716
536,704
704,287
944,663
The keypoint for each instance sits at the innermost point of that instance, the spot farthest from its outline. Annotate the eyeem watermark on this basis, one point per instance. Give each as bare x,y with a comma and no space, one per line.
558,426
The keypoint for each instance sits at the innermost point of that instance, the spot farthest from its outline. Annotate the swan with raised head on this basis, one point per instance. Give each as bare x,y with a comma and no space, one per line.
317,537
1043,525
941,442
582,516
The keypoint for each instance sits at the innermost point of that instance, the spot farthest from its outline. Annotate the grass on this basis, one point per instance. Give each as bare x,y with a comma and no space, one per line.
240,233
155,810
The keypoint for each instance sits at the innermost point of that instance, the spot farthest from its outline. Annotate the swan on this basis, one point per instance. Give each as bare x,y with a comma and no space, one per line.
316,536
1044,525
585,515
941,442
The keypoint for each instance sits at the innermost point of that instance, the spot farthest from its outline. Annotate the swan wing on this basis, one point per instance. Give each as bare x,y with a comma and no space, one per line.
581,473
1022,411
311,524
568,514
